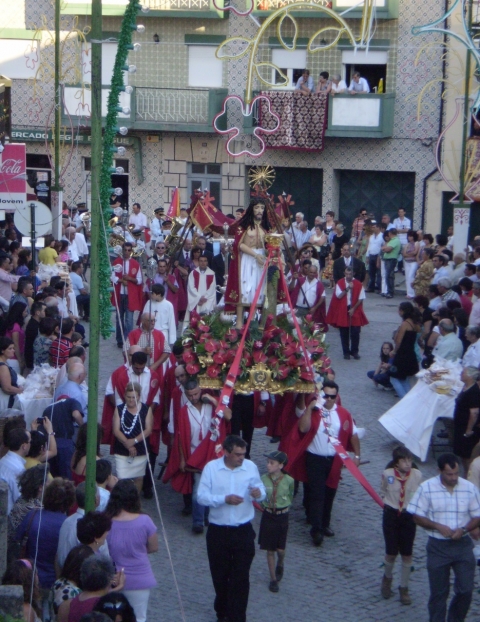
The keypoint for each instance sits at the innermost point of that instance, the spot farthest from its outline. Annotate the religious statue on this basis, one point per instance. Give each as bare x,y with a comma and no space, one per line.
248,259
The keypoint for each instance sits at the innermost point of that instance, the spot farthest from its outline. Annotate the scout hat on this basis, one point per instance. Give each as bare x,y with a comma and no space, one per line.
279,456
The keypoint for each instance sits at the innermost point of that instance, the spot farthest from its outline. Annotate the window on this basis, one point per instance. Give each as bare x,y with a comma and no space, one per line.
291,63
371,65
204,68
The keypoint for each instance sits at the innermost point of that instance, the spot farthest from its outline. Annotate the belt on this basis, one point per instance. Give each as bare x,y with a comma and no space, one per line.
277,511
230,526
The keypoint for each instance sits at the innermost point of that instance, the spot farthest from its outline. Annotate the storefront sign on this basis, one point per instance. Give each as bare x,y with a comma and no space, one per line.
39,135
13,177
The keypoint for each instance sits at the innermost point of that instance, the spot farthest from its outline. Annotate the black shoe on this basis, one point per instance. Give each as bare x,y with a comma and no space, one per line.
346,357
275,439
279,572
148,493
356,356
328,532
443,434
388,296
317,538
198,529
187,511
119,345
273,587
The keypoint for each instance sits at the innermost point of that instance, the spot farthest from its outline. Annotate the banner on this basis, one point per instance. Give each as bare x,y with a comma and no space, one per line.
174,209
13,176
208,218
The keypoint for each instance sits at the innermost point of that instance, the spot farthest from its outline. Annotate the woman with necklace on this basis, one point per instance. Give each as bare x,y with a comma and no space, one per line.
132,425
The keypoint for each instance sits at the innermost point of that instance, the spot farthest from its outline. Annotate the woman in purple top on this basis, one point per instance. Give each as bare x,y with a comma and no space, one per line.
13,329
132,537
58,498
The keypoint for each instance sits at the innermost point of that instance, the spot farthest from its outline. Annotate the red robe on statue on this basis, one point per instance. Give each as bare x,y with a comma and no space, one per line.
296,444
338,312
319,315
120,379
135,293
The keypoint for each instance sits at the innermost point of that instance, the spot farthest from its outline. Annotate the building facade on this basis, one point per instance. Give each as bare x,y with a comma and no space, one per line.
377,150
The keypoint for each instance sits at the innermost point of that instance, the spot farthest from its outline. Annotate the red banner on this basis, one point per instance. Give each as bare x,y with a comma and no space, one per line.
207,217
13,176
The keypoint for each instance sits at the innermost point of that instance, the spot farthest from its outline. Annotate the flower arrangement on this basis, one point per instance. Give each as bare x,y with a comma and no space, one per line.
211,343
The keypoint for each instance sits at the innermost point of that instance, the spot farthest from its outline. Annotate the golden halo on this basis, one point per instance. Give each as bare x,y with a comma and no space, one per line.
263,176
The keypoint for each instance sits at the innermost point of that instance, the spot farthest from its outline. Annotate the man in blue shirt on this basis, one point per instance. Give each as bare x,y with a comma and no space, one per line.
81,294
229,486
305,83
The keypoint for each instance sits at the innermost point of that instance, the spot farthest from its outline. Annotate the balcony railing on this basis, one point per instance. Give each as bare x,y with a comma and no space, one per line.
384,9
361,116
177,109
174,8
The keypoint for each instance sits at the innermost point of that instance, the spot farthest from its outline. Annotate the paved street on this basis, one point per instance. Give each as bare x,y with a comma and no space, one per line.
339,581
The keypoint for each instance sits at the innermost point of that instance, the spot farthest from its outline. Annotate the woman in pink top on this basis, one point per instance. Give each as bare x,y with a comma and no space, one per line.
132,538
13,328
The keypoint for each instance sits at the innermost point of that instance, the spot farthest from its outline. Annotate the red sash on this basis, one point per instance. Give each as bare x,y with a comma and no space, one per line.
196,279
135,292
158,343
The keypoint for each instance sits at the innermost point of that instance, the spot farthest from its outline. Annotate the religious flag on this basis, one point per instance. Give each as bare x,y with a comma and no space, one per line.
207,217
174,209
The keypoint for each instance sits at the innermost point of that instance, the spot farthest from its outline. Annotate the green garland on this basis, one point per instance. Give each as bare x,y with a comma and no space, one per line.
116,87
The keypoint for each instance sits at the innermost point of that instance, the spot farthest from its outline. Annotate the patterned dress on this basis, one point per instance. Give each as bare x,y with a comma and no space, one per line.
423,278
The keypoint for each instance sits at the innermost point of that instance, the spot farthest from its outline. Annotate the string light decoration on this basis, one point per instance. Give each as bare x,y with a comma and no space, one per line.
129,25
244,46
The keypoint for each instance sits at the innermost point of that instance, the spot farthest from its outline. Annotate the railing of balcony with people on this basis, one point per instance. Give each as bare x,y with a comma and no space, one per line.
305,120
384,9
177,107
181,8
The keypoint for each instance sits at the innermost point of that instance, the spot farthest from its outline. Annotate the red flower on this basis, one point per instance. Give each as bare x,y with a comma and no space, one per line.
290,350
205,337
259,357
306,375
193,369
204,328
283,372
223,345
213,371
211,346
219,357
189,356
293,361
247,360
194,320
231,335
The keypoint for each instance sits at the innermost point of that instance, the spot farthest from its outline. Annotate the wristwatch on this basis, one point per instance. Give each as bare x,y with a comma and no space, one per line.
136,441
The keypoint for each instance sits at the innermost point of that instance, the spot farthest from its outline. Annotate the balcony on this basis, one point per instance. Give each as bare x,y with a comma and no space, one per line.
163,8
161,110
384,9
361,116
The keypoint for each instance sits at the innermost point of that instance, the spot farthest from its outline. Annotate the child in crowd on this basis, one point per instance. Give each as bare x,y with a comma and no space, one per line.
327,274
276,505
104,478
381,376
62,250
43,341
77,339
400,480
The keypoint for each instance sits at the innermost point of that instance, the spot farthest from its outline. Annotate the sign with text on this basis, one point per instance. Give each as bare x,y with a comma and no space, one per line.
13,177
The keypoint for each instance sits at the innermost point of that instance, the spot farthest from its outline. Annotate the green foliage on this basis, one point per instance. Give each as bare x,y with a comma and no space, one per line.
116,85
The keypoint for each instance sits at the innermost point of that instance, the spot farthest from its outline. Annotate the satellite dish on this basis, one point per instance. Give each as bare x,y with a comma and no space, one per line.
43,219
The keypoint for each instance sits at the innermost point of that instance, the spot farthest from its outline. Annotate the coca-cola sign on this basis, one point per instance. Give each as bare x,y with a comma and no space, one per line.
13,177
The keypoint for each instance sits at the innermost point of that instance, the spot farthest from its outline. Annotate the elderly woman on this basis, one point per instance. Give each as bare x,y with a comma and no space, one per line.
132,538
466,432
424,273
471,358
132,425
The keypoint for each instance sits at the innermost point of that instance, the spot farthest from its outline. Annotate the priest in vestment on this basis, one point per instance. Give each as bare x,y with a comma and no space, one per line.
201,289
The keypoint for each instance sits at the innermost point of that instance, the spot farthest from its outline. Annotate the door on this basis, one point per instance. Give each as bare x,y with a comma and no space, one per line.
379,192
306,187
206,177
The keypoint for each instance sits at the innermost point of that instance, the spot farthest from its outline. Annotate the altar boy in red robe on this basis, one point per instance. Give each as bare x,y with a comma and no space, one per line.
346,313
127,279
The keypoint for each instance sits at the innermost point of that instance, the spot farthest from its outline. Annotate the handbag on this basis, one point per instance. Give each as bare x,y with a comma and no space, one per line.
324,251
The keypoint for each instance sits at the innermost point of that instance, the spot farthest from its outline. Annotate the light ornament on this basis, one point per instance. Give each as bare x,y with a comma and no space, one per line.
234,10
233,132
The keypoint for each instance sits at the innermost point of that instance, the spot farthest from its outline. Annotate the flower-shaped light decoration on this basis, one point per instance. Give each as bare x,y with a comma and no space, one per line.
232,132
31,55
234,10
34,109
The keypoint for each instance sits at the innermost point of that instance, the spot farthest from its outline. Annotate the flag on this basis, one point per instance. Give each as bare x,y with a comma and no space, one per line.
174,209
207,217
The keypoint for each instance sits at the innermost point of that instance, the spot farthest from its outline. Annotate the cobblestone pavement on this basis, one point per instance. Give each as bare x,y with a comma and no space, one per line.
339,581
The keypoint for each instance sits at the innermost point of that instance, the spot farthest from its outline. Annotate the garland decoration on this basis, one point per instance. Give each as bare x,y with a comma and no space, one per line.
116,87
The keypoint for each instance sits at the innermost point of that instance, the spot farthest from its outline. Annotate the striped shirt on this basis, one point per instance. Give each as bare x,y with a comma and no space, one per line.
432,500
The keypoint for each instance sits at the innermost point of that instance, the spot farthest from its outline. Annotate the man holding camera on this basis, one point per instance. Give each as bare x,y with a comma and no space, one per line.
346,313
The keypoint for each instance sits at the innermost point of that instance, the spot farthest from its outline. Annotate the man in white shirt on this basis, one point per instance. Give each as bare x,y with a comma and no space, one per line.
403,225
201,289
229,486
448,345
441,269
137,219
374,247
156,226
70,237
81,295
358,85
448,508
338,85
164,314
13,462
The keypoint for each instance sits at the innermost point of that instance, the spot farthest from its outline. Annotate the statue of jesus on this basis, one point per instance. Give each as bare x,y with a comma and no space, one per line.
248,259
